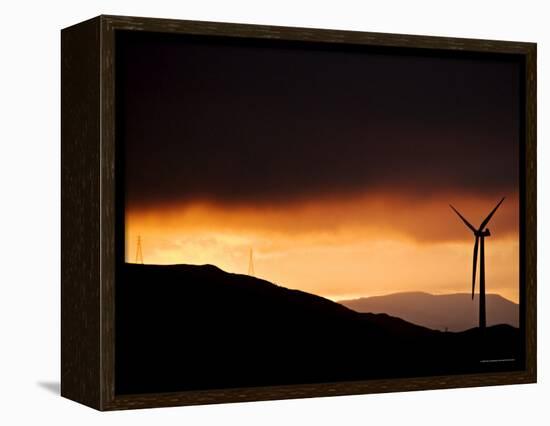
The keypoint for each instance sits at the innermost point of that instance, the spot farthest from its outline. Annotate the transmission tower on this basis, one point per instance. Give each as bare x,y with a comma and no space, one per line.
251,264
139,254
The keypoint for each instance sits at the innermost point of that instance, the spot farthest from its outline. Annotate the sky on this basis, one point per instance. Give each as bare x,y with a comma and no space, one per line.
336,168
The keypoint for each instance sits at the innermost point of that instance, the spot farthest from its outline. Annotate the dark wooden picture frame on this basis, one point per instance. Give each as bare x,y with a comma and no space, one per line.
90,208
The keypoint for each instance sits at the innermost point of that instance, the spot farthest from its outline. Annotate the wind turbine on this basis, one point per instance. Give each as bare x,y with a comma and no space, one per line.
480,234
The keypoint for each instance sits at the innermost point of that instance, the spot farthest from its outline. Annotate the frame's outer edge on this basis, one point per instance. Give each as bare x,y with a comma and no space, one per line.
89,195
531,212
108,213
80,214
132,23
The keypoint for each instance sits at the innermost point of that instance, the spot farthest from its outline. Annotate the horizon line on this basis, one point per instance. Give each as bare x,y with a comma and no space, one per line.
337,299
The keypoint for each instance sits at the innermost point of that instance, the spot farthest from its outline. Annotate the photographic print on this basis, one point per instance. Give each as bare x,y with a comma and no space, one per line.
254,212
301,213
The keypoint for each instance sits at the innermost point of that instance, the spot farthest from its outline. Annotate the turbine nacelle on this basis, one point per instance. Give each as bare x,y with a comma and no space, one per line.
484,233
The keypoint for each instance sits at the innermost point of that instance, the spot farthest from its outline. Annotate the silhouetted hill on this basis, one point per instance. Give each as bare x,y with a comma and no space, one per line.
457,312
186,327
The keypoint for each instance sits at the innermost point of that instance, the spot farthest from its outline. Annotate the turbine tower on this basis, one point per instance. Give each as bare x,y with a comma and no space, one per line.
251,264
480,235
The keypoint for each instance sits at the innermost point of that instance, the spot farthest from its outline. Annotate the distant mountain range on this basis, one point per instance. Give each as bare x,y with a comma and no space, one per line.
187,327
454,312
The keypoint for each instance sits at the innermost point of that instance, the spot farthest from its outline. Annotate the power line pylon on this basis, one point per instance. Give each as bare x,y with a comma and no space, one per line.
251,264
139,254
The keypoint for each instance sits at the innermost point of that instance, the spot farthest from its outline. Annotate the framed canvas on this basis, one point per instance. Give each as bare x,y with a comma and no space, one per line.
254,212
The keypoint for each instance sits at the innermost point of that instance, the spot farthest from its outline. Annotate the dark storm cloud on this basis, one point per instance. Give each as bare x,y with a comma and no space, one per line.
244,124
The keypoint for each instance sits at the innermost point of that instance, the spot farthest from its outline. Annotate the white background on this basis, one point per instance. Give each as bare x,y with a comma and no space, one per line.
30,210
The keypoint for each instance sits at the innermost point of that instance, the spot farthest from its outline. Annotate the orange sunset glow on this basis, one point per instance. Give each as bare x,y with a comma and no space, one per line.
339,248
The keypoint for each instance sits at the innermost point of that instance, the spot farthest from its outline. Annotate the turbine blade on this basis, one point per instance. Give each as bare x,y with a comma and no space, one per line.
468,224
476,245
488,218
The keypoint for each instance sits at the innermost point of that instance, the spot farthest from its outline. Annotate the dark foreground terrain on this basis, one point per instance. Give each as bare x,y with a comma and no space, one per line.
187,327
